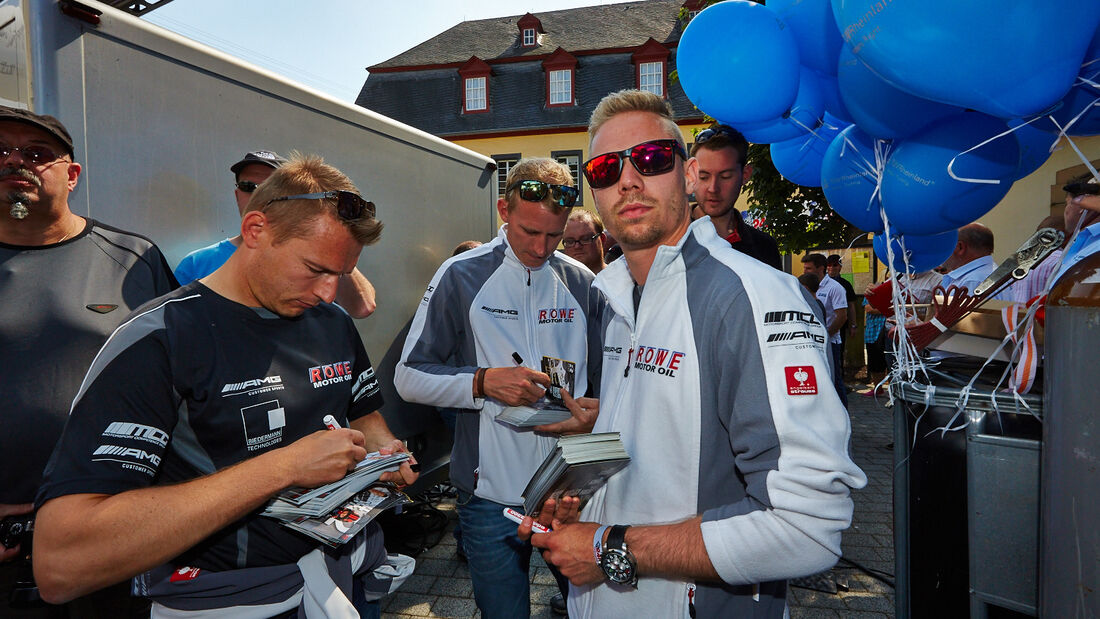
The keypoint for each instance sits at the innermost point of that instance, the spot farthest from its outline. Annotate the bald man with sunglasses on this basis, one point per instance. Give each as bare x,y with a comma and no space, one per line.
356,294
716,377
493,321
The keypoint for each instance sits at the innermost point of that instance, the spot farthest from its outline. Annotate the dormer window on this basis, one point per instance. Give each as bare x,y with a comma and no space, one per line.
475,85
651,67
561,69
529,29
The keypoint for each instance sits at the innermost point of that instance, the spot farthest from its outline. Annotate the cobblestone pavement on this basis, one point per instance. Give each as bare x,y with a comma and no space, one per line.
441,585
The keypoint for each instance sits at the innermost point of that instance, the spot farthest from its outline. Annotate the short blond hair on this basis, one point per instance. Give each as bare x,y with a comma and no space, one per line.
633,101
294,218
537,169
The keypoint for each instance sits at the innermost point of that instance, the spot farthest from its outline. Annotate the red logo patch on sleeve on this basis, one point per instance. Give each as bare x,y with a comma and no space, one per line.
184,573
800,380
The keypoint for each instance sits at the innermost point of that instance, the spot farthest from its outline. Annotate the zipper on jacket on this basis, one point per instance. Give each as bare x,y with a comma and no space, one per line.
630,355
528,275
691,601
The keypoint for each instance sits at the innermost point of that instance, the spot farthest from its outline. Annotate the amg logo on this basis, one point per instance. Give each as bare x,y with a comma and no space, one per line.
614,349
497,310
127,452
255,382
149,434
796,335
790,316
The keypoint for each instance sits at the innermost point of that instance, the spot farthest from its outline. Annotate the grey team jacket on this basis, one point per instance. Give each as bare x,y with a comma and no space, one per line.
480,307
721,389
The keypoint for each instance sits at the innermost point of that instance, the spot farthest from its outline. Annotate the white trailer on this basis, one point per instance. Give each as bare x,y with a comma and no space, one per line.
158,118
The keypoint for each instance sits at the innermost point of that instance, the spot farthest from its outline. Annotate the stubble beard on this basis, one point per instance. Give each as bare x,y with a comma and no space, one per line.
643,233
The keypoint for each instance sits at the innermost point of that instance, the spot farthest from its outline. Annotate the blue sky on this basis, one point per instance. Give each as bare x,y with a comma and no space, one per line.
327,44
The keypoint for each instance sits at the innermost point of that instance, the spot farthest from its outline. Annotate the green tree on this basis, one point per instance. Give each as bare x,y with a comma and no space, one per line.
797,217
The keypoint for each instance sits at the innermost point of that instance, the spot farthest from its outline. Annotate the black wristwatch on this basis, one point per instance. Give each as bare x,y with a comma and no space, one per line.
616,560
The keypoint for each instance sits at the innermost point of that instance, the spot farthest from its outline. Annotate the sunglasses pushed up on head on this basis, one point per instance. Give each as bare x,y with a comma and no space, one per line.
537,191
649,159
349,205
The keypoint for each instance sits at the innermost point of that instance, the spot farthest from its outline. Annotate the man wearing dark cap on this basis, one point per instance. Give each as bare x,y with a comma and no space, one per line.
356,293
833,264
67,281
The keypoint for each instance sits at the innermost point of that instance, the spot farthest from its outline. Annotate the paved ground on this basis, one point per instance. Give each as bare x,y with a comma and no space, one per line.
441,585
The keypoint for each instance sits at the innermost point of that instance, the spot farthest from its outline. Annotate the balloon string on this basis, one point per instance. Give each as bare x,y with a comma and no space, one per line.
983,181
1080,155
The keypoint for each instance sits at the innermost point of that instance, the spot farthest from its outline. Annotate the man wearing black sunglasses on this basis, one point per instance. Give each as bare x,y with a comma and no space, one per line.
722,153
208,402
67,282
356,293
492,321
711,366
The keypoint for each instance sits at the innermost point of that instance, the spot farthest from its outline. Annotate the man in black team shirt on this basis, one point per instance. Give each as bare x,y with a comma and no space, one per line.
66,282
207,402
722,153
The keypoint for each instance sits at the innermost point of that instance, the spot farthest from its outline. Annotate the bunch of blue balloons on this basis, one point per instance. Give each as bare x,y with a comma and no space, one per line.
921,113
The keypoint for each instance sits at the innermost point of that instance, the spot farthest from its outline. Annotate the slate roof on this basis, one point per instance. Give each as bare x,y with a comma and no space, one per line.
588,28
430,99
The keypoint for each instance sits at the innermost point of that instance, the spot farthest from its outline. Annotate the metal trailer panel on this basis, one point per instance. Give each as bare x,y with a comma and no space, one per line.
1069,546
157,119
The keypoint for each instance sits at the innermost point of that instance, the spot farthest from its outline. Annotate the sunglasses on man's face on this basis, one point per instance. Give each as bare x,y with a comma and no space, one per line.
33,154
348,205
536,191
649,159
246,186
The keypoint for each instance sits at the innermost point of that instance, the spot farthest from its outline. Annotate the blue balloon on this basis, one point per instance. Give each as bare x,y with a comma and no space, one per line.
799,160
923,252
1008,59
738,62
880,109
830,93
918,193
1035,146
805,114
815,31
1083,97
849,179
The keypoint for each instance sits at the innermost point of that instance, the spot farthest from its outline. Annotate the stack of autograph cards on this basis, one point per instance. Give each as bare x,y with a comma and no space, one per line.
578,466
550,408
316,511
344,522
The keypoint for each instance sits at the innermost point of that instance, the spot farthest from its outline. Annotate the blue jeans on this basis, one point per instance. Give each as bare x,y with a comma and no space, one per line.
499,561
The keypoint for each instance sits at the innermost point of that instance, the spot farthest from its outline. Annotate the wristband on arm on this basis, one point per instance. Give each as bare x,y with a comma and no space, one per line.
479,383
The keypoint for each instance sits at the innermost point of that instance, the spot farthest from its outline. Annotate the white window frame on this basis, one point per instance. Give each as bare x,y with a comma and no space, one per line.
476,94
651,77
561,86
529,38
504,166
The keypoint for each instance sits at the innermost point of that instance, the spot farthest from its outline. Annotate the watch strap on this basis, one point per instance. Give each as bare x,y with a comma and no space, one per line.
616,538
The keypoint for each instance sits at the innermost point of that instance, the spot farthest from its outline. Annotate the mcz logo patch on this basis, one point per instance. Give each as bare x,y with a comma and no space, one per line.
330,374
801,380
661,361
556,314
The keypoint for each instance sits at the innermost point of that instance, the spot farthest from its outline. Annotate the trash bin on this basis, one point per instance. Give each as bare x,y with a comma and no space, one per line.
966,503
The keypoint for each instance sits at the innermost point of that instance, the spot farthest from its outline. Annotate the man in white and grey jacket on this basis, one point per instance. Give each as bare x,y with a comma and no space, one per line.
716,374
492,321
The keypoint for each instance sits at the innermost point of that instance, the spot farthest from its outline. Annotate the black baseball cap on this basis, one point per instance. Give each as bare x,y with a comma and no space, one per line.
262,157
47,123
833,259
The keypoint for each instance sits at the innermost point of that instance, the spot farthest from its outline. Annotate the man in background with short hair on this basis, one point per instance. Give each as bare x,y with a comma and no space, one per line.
722,153
972,260
583,240
831,294
492,322
356,294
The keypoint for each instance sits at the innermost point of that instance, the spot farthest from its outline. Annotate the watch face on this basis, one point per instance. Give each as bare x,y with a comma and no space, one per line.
618,565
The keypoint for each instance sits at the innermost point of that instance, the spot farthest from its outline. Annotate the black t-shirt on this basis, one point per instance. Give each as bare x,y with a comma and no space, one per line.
60,302
850,294
756,243
192,383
